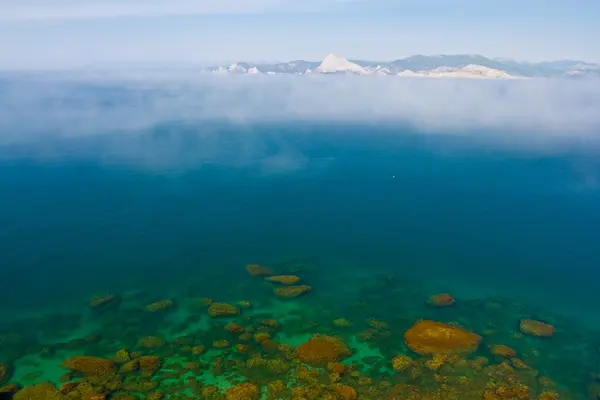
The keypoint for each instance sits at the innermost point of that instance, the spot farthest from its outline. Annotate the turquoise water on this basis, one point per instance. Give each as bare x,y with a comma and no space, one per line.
375,219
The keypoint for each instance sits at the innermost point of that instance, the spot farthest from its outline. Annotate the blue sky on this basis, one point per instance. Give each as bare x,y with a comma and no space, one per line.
65,33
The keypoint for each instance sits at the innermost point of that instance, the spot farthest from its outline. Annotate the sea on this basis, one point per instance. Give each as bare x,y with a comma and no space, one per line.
118,246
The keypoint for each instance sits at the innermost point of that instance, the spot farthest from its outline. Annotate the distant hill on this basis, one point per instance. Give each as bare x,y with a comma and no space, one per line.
438,66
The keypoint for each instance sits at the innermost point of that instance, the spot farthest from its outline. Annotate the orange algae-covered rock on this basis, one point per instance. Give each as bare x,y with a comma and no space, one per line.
197,350
104,301
378,325
285,348
289,292
536,328
161,305
321,349
129,366
209,392
275,387
518,363
268,346
502,351
243,348
234,328
150,342
336,367
341,323
284,279
436,361
244,303
402,363
41,391
222,309
270,323
441,300
518,391
277,366
3,373
260,336
149,363
10,388
364,381
347,392
243,391
68,387
220,344
89,365
203,301
365,335
430,337
548,396
122,356
545,381
257,270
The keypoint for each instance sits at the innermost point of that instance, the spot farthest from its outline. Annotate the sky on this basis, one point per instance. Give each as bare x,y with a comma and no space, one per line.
43,34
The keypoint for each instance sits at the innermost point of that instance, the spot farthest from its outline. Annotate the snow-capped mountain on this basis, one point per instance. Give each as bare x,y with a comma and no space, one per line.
436,66
334,64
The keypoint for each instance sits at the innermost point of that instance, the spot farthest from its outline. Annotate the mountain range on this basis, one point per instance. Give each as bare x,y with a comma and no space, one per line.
436,66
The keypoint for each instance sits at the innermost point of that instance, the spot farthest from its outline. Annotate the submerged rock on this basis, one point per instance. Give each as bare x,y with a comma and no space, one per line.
430,337
243,391
441,300
89,365
284,279
257,270
161,305
501,350
41,391
3,373
321,349
536,328
105,301
222,309
290,292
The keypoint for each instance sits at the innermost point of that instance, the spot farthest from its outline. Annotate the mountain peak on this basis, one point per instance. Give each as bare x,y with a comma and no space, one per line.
332,58
332,63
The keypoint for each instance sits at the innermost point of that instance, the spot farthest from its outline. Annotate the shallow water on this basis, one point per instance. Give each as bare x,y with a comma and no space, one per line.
374,219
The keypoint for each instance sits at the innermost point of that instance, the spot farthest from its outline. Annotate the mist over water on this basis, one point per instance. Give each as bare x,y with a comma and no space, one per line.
77,104
158,185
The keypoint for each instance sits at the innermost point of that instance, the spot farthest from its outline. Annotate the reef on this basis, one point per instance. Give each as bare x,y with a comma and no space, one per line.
388,342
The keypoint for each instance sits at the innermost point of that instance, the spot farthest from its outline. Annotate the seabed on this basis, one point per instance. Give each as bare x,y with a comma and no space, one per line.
289,331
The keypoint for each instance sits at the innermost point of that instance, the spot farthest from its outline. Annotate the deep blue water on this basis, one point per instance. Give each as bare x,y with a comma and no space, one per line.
161,208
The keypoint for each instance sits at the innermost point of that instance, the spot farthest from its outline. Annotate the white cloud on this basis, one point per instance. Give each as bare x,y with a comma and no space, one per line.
75,9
